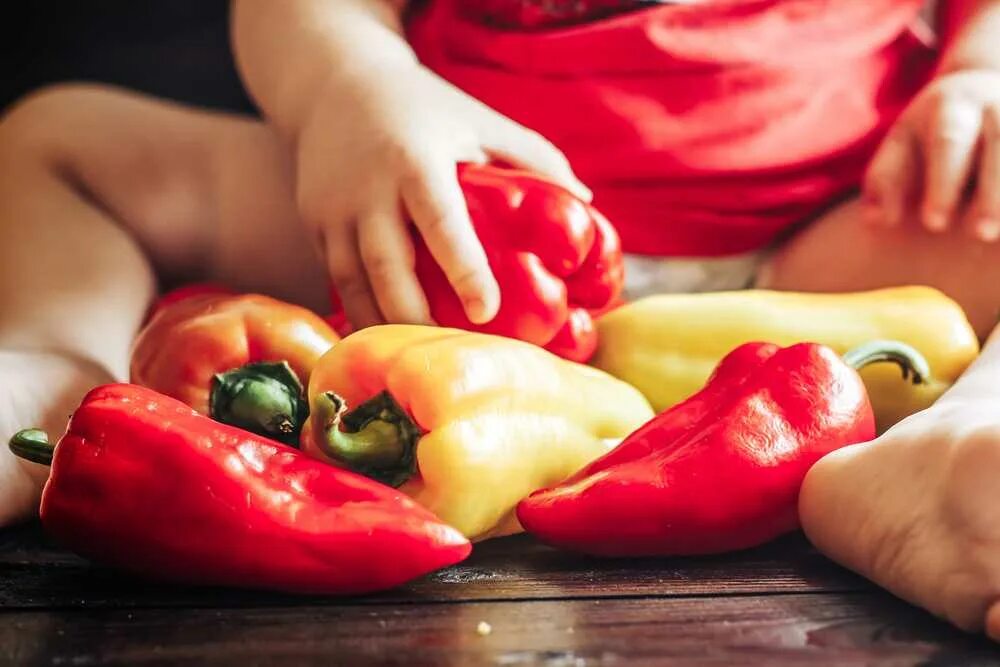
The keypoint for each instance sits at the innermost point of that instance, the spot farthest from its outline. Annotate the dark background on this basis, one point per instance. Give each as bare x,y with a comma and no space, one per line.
171,48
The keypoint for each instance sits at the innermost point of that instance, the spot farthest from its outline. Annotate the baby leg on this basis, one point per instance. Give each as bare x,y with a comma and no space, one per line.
102,193
918,509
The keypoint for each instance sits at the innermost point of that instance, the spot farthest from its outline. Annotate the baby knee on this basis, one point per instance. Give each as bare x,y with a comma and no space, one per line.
36,122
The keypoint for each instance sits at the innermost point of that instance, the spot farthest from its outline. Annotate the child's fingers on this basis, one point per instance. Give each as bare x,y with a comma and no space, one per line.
437,206
387,253
890,181
986,219
526,148
348,276
949,150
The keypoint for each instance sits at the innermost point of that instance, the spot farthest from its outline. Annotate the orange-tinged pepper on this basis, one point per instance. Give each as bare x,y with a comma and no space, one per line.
466,423
241,358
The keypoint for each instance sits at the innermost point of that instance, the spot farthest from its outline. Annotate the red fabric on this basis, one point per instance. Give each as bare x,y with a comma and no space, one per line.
703,129
545,13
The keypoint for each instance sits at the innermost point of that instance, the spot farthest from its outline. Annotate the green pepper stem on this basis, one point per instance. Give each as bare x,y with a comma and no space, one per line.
32,444
913,364
264,398
378,439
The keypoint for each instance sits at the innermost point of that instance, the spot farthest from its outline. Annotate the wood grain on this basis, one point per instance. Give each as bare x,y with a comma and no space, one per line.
859,629
34,574
782,604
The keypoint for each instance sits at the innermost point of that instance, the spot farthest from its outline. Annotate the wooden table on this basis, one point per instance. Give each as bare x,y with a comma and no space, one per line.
779,605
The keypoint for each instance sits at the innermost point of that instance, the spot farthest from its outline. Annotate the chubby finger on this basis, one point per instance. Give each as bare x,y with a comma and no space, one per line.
986,205
387,254
346,270
434,200
890,182
949,150
528,149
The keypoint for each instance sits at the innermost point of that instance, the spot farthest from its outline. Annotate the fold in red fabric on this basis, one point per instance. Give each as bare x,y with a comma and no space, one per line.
704,129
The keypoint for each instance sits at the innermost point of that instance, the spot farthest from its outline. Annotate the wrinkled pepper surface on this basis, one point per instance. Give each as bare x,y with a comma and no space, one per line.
667,345
722,470
244,359
555,259
468,424
142,482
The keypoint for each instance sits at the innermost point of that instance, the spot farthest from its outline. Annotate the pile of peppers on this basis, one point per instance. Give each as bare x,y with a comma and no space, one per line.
721,470
349,465
495,420
142,482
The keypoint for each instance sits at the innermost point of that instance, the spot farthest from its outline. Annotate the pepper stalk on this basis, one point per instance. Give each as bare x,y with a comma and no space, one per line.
32,444
378,440
264,398
910,361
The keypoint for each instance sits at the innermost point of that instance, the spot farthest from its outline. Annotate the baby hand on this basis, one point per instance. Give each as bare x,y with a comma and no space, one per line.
380,150
940,163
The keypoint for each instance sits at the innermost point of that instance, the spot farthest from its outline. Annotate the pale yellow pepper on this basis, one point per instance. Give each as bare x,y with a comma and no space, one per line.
667,345
486,420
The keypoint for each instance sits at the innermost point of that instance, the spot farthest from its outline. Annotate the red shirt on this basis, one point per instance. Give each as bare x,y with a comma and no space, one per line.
705,129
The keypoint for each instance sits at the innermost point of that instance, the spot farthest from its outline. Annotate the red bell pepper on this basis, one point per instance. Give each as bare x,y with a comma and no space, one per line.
722,470
142,482
555,259
241,358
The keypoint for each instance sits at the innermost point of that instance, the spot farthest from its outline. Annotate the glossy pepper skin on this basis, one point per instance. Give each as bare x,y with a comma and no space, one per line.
667,345
142,482
467,424
555,259
242,358
722,470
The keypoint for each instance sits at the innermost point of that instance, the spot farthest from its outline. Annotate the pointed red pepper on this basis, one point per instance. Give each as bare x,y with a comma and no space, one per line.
142,482
555,258
722,470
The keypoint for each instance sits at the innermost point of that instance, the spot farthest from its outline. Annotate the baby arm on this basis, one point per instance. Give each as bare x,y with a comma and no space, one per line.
376,137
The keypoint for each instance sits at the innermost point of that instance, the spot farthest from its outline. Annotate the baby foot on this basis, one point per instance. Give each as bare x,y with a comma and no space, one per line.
917,511
38,389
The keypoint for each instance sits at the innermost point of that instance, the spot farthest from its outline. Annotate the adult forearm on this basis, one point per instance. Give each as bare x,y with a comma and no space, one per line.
288,50
970,30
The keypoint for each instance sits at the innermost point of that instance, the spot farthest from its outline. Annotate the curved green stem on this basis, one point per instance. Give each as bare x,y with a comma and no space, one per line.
32,444
378,439
264,398
912,363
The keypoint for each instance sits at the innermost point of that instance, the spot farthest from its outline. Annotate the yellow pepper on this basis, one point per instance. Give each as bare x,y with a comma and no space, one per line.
667,345
467,424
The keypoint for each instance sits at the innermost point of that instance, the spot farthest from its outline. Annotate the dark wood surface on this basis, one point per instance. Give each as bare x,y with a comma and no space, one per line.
782,604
